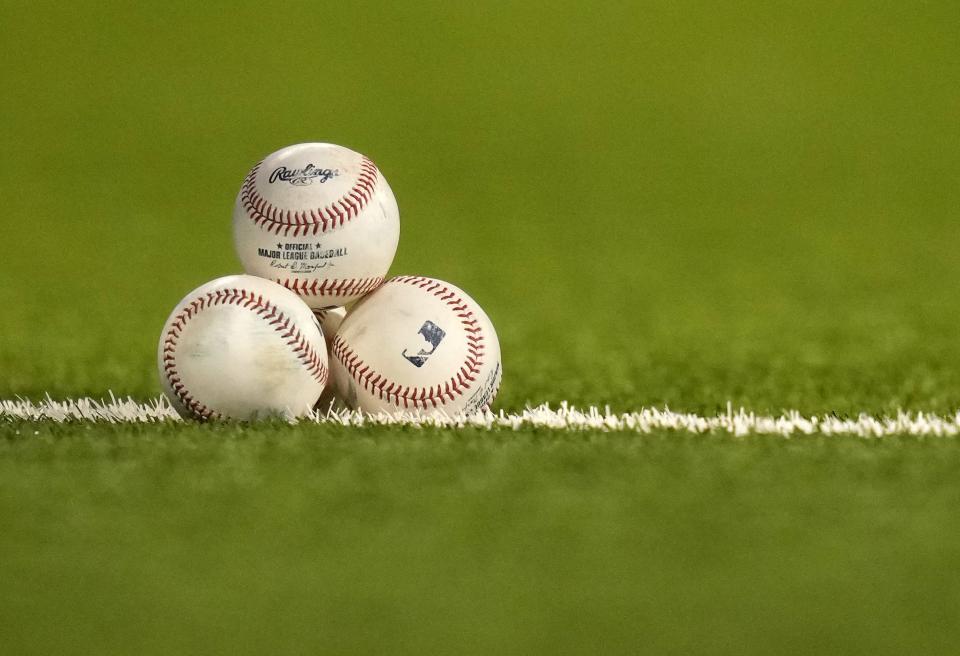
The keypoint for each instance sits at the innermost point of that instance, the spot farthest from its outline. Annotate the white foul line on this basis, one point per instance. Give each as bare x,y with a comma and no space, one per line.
565,417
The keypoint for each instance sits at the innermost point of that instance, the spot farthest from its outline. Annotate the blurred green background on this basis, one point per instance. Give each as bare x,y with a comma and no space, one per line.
676,203
682,203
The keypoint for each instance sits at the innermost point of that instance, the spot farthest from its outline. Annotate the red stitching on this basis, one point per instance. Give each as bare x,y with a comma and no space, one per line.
331,287
314,363
306,221
419,397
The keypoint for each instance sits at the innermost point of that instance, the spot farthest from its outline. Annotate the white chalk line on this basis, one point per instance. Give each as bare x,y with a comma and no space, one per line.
565,417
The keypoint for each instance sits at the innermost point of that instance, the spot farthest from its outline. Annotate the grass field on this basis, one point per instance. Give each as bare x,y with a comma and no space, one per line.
658,203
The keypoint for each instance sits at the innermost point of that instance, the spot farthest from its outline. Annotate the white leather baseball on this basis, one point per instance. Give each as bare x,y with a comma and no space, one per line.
416,344
319,219
241,347
330,320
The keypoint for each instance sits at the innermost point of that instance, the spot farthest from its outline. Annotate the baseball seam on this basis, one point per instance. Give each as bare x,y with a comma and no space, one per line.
421,397
308,221
281,323
331,286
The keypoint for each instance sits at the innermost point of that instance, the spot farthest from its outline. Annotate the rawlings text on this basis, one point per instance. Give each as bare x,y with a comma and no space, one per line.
304,176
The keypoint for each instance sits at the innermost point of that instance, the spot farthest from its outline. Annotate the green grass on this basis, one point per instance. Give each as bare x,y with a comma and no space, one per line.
306,540
676,203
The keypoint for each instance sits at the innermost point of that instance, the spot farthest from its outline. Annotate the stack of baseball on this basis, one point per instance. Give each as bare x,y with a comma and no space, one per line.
314,323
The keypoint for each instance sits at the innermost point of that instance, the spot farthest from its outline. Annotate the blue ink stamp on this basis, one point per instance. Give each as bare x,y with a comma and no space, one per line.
433,335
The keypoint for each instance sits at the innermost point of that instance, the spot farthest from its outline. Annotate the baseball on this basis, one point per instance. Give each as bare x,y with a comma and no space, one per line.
241,347
330,321
320,220
416,344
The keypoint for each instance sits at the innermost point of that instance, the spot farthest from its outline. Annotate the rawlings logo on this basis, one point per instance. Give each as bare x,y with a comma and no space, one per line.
304,176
